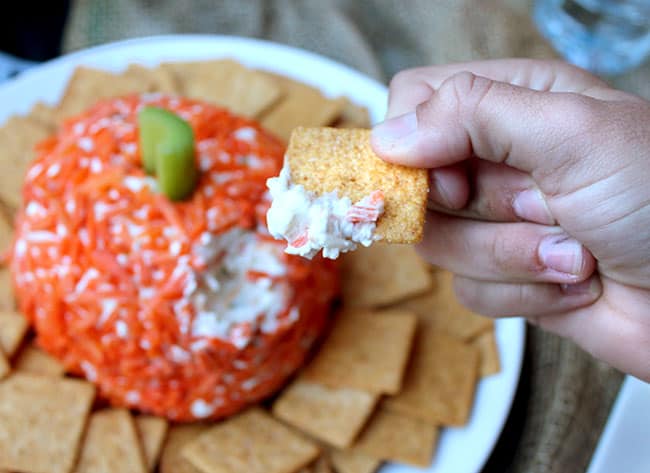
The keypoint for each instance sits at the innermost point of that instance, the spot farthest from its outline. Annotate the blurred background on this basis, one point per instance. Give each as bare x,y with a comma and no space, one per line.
33,32
564,396
379,37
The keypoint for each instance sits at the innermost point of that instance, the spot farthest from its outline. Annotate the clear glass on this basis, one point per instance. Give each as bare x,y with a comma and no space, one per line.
604,36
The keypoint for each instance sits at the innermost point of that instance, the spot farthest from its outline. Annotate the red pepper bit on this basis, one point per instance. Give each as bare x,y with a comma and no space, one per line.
359,213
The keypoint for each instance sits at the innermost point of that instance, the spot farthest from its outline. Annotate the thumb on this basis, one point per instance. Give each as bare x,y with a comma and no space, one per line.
470,115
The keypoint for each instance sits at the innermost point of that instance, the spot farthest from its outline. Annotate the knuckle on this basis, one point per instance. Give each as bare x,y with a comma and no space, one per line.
502,255
425,112
401,80
583,113
515,254
467,91
522,296
407,89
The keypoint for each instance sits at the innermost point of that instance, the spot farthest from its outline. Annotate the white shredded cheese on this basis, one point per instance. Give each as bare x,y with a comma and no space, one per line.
132,397
312,223
53,170
108,308
246,133
201,409
121,329
89,371
86,144
227,303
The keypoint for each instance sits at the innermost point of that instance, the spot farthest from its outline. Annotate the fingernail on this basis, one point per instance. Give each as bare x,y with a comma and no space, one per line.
395,129
562,254
590,286
530,205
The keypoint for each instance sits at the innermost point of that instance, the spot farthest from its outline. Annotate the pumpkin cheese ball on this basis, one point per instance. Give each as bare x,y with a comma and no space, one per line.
157,280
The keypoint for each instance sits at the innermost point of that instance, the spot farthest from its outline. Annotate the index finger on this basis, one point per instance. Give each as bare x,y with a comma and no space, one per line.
412,87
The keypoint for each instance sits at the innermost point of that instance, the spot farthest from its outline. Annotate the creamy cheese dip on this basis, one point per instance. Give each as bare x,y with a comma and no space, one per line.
228,304
311,223
186,310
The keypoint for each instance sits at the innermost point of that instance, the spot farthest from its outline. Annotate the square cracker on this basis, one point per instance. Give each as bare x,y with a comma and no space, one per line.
395,437
151,431
382,274
7,302
441,308
301,105
226,83
365,350
253,442
333,415
41,422
353,116
330,159
158,79
87,86
44,113
32,359
13,327
350,461
18,137
321,465
487,346
440,380
111,444
171,458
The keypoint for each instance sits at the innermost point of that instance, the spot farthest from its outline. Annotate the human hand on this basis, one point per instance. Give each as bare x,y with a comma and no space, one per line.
540,195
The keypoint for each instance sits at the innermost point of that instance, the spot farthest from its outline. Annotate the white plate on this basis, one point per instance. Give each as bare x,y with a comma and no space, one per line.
463,450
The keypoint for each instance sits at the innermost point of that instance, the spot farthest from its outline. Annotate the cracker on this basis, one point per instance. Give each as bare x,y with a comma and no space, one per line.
349,461
382,274
487,346
13,327
87,86
330,159
151,431
18,137
41,422
111,444
44,113
440,380
353,116
441,308
157,79
321,465
302,105
171,458
365,350
7,302
333,415
228,84
395,437
32,359
253,442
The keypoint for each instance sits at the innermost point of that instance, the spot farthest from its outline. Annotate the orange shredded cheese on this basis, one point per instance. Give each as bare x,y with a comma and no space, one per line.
155,301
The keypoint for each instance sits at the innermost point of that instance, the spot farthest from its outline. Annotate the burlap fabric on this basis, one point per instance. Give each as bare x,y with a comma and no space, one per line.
564,395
